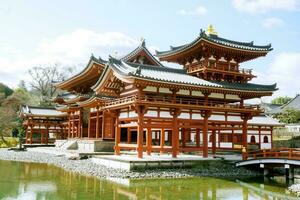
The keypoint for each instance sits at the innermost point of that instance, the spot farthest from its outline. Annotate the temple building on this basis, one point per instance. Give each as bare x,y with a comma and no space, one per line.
142,105
41,124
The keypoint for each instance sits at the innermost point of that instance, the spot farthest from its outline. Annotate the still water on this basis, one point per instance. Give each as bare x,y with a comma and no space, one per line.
40,181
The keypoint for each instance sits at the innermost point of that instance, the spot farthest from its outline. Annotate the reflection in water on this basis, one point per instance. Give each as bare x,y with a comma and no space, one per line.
40,181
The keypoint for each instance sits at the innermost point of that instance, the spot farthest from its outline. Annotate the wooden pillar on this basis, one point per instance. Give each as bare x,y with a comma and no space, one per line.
149,141
69,126
175,132
103,124
183,137
140,131
79,135
73,124
31,132
26,136
97,123
41,134
205,114
117,135
245,118
213,141
162,141
89,126
197,137
259,137
128,135
271,137
47,133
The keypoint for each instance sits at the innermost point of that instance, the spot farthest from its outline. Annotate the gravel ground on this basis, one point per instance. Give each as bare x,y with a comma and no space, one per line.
86,167
295,189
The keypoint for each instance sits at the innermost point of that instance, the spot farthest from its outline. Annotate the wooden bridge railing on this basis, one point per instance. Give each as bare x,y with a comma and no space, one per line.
286,153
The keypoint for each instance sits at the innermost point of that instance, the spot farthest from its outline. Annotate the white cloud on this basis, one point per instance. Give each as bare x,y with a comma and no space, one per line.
199,10
285,71
69,49
263,6
272,22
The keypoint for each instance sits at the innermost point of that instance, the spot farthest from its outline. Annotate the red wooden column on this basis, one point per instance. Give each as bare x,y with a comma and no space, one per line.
73,124
197,137
47,133
140,130
259,137
79,132
69,126
162,141
26,136
245,118
205,114
183,137
117,134
175,132
271,137
97,123
213,141
128,135
149,141
31,133
89,126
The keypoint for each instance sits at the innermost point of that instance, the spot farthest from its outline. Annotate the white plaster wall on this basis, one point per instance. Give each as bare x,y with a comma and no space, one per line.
197,93
232,96
150,89
123,115
217,95
234,118
217,117
196,116
151,113
165,90
165,114
256,138
184,116
184,92
132,114
225,144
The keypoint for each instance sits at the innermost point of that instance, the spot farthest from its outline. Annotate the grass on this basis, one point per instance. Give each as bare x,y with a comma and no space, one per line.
10,142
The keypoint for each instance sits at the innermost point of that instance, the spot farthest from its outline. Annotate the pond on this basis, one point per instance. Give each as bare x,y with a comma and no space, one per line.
40,181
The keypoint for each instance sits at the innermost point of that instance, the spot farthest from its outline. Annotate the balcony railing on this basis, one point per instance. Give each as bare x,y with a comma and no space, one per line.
221,69
178,100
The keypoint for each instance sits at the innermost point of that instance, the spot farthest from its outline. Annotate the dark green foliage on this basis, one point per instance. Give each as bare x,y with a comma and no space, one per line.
5,90
281,100
289,116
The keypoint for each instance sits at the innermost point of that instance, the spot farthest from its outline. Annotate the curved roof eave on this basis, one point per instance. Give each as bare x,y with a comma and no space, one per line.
248,47
81,73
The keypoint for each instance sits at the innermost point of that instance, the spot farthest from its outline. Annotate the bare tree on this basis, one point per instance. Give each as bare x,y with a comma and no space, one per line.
42,79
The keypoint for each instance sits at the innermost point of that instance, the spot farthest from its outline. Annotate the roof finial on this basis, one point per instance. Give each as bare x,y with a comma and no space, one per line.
143,43
211,30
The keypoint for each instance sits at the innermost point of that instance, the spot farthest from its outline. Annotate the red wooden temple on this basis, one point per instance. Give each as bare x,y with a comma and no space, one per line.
148,107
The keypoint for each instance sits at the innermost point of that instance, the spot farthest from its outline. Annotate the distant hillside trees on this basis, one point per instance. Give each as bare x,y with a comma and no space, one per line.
289,116
9,108
281,100
5,90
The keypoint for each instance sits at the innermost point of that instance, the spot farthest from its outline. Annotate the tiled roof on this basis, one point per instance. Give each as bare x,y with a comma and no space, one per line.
217,40
141,47
294,103
170,75
40,111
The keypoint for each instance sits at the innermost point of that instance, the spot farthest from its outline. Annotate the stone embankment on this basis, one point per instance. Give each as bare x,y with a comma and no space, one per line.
87,167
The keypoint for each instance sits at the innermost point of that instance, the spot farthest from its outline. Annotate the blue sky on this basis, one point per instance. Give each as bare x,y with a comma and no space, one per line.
45,32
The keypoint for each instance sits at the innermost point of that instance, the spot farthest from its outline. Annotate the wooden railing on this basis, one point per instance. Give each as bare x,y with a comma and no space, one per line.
223,69
286,153
197,102
184,101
